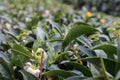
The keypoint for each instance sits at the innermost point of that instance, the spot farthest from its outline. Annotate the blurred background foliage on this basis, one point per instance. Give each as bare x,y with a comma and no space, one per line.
111,7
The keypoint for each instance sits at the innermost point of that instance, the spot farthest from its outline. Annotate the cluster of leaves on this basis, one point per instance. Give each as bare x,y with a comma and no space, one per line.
80,45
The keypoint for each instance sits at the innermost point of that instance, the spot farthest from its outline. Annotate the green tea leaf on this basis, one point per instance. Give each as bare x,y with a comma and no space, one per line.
60,56
4,56
62,73
5,70
78,30
84,41
18,49
108,48
36,45
81,68
76,78
110,65
28,76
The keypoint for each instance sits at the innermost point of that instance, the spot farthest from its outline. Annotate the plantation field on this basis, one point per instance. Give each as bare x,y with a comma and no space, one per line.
51,40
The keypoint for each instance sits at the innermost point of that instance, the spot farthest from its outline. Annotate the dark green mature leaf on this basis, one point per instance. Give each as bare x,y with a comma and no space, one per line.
109,49
110,65
55,40
5,70
85,50
28,76
2,38
40,33
36,45
78,30
18,49
62,73
75,78
81,68
57,27
18,60
4,56
84,41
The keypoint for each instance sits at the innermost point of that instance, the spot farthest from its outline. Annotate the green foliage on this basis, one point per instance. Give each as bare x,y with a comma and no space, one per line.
56,73
36,45
18,49
78,67
39,40
107,62
28,76
78,30
108,48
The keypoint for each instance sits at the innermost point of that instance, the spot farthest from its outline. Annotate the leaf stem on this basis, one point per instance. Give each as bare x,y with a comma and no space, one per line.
41,60
41,69
103,69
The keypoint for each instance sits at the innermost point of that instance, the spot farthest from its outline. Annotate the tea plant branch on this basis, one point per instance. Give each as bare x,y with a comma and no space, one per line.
41,60
103,69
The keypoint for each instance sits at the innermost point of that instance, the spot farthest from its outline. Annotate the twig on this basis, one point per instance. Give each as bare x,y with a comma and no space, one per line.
41,60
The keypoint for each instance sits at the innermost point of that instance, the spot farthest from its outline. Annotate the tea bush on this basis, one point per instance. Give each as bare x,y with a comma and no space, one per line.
42,41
